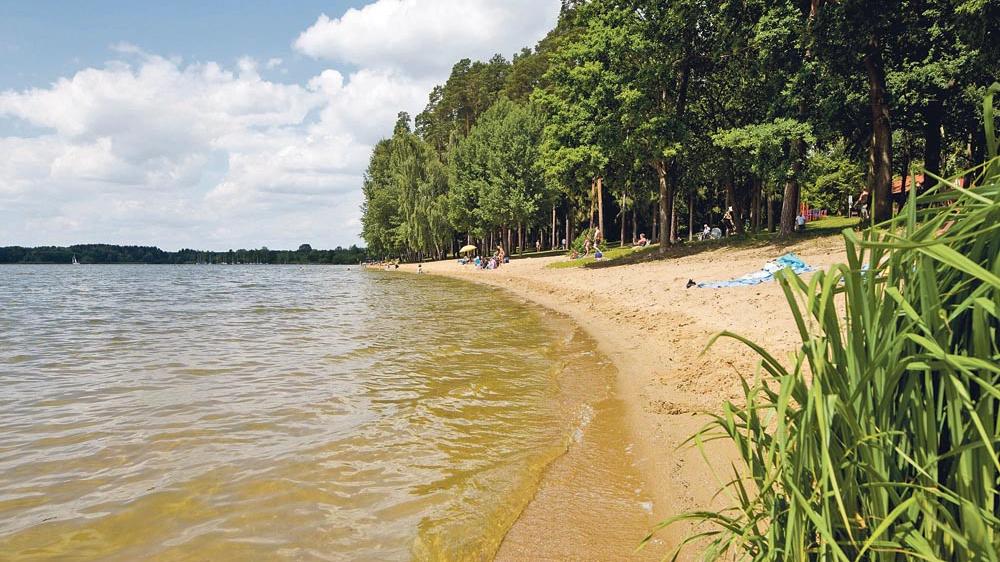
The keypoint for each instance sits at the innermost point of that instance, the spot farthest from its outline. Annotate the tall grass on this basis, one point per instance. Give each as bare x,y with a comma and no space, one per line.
880,441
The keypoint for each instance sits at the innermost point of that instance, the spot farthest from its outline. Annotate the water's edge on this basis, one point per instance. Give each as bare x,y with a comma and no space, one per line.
617,508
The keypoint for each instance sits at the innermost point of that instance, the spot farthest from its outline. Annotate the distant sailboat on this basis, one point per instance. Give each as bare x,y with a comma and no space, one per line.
74,260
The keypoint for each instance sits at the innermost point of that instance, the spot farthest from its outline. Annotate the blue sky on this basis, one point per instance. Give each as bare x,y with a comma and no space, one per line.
42,40
218,124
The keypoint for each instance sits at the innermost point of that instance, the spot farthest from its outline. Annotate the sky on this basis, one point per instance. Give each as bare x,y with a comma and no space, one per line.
219,125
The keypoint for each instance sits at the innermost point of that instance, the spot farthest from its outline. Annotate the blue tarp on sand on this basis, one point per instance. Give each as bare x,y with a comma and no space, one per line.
766,274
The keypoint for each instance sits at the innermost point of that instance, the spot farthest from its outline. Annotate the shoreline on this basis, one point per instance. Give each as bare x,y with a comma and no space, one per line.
653,330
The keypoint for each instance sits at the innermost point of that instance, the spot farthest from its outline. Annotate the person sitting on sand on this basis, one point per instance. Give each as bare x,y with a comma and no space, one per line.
706,233
642,242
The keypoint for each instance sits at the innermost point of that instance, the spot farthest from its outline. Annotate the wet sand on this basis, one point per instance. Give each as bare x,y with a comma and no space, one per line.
654,331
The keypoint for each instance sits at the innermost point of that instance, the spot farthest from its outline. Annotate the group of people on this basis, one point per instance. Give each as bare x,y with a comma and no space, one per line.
387,265
498,258
589,242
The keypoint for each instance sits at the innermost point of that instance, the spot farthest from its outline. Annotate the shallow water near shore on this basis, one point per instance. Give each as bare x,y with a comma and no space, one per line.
274,412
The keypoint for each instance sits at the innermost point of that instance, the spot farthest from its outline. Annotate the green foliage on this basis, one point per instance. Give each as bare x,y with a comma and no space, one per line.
406,197
880,441
831,177
494,178
453,108
736,103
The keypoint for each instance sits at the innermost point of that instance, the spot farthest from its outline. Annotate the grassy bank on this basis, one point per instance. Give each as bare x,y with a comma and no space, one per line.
880,440
828,226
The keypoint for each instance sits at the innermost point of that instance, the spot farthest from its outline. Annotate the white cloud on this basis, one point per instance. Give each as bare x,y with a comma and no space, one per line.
130,150
153,150
426,37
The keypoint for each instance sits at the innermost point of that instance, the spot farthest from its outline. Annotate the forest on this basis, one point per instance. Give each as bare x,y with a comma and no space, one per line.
639,116
107,254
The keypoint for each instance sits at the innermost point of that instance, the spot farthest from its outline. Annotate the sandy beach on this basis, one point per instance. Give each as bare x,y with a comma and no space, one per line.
654,330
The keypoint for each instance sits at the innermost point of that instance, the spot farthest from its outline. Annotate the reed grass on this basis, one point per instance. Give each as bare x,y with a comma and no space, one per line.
880,440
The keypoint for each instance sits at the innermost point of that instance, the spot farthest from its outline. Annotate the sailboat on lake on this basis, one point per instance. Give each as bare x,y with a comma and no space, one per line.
74,260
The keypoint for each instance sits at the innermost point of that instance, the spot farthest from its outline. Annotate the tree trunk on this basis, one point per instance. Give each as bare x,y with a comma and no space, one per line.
691,215
673,181
755,187
621,239
666,204
735,201
600,207
770,214
673,219
569,226
635,224
881,131
790,202
932,144
553,237
593,202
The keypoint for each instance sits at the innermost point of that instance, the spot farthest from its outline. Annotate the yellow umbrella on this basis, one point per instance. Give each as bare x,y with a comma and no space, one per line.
469,248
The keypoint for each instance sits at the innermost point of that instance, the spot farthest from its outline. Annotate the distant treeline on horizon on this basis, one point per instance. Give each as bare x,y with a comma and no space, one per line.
109,254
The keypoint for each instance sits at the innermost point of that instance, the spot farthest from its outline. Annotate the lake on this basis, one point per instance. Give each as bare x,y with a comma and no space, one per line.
273,412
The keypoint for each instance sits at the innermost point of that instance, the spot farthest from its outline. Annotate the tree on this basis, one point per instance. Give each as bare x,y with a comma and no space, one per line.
495,179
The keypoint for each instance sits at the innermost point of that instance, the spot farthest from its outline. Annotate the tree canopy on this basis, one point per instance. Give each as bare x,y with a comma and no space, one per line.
666,114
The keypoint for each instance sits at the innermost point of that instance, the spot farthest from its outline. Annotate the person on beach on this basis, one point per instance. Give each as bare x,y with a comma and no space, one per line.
586,246
597,237
800,223
563,246
500,253
706,233
420,268
728,225
642,241
863,204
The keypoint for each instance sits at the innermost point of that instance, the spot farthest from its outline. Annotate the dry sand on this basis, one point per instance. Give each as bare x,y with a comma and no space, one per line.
654,330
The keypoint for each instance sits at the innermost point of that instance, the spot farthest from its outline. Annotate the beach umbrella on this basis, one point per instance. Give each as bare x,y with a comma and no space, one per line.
469,248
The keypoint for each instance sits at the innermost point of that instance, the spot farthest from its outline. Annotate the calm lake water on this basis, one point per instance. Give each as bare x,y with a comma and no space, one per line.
271,412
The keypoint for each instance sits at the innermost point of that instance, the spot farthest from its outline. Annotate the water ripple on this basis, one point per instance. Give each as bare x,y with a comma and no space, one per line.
172,413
